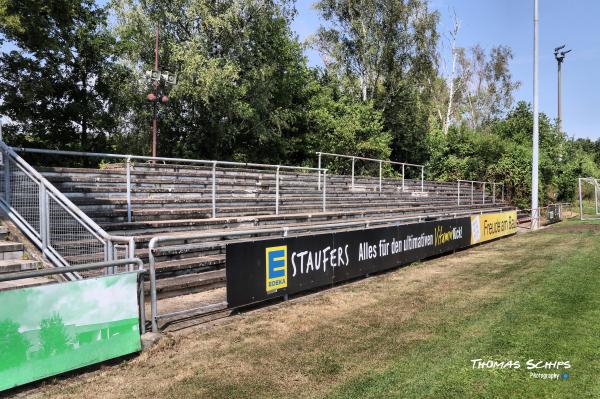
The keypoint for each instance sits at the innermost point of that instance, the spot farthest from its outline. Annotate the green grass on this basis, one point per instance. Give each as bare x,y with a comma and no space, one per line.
411,333
553,314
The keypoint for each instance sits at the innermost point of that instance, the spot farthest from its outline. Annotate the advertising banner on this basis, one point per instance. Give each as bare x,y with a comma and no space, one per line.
55,328
264,269
490,226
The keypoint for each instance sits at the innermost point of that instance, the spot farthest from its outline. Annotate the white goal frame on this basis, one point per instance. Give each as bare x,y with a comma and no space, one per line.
596,183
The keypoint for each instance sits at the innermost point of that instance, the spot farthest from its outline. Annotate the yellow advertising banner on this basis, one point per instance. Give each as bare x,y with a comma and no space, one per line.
490,226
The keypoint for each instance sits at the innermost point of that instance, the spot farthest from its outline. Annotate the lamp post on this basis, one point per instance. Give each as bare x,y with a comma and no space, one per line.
534,168
560,57
157,96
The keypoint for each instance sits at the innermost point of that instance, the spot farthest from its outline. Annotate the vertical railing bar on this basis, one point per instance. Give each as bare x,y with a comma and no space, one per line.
380,171
277,191
483,193
7,179
353,173
44,217
324,190
458,194
472,183
319,172
403,177
128,171
422,178
494,193
214,189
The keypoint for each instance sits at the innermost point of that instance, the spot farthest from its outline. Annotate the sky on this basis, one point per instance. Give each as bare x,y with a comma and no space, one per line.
510,22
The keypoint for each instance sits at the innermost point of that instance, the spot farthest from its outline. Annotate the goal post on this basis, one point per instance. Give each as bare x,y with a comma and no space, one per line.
589,198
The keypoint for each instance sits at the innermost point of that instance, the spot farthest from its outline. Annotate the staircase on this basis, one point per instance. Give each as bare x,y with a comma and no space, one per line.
14,258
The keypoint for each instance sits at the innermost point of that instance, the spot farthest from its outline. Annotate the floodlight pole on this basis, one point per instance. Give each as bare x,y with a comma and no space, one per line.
534,171
559,97
155,105
559,54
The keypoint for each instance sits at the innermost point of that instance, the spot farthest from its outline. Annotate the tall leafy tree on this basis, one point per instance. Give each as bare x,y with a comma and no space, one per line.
58,82
241,91
385,52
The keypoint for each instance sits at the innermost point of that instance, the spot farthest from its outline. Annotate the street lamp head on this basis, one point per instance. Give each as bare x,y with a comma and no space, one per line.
560,55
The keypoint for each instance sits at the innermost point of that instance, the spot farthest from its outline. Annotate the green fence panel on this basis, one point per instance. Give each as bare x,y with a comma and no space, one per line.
55,328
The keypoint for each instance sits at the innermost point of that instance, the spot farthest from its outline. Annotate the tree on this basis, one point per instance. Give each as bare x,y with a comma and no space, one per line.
242,81
489,87
59,83
384,51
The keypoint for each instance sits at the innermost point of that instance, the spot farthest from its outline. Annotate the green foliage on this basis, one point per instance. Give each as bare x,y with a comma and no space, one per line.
246,93
504,155
59,83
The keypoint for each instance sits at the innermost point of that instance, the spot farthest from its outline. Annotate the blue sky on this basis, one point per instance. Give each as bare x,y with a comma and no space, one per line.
510,22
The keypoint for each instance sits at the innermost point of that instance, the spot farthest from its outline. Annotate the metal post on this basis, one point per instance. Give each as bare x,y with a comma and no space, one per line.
580,201
596,197
7,179
353,173
153,302
403,177
380,176
483,193
324,190
458,194
128,189
422,178
494,193
534,169
319,172
502,192
43,200
214,189
559,99
277,191
472,183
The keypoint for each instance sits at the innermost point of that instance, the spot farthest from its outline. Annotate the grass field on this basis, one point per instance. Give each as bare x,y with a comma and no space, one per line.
410,333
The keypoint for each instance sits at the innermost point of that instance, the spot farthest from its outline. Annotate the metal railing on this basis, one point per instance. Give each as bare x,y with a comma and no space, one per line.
65,235
380,162
113,264
528,217
128,172
470,186
283,231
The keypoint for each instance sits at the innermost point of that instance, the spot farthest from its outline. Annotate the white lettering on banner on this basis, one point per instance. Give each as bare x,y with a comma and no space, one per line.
307,261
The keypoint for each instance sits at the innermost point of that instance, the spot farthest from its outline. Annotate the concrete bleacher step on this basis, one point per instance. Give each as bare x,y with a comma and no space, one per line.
11,250
18,265
172,199
187,284
12,260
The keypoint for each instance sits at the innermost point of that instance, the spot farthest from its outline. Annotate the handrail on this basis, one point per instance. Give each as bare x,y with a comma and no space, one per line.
368,159
165,159
380,161
129,158
47,189
87,266
472,183
284,230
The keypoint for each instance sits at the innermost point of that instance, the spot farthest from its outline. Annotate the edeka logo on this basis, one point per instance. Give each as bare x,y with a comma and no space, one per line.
276,258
